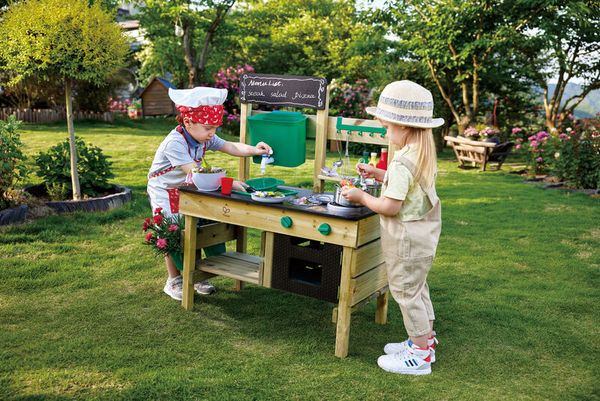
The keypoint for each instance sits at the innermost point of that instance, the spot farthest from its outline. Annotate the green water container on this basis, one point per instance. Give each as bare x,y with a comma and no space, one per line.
284,131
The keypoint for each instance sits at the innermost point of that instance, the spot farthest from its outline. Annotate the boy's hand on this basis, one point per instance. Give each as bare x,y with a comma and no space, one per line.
365,170
238,185
353,194
263,149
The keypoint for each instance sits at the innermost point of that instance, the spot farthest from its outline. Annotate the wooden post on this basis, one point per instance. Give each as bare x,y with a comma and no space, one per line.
382,308
321,144
344,313
189,262
245,112
267,246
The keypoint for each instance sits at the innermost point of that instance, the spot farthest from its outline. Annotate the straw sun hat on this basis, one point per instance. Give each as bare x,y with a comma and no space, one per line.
406,103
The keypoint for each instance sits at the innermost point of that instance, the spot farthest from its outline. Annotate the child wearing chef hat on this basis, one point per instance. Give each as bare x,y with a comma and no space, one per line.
200,114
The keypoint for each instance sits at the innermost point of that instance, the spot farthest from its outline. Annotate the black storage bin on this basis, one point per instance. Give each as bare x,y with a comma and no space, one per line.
306,267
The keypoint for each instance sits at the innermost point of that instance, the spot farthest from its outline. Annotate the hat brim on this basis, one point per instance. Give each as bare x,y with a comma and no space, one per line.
435,122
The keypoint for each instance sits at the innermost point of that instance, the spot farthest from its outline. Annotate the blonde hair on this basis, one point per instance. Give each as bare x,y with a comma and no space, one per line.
426,164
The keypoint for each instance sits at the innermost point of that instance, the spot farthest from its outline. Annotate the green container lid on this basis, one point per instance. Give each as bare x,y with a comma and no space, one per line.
284,131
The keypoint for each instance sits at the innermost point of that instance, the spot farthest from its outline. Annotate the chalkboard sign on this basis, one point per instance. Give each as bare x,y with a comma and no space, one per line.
283,90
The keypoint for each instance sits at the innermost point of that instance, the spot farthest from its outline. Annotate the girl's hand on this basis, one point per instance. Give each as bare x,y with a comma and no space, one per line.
365,170
353,194
238,185
263,149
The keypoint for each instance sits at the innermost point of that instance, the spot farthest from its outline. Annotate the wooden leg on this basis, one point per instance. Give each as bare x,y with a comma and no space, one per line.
240,246
382,308
342,335
189,262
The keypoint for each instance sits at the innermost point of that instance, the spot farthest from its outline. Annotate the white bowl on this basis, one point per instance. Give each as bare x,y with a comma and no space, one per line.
208,181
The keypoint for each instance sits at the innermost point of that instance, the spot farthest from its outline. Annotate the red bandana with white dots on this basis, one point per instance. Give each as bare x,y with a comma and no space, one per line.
207,115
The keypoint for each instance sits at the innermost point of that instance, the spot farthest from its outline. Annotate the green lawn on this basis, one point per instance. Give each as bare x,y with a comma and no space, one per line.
83,316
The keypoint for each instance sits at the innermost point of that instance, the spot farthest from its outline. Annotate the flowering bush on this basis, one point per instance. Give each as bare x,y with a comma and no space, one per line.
119,105
229,78
349,100
471,133
577,155
489,132
163,233
481,132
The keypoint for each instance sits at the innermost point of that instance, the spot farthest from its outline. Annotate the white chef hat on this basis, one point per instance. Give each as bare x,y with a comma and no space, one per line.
200,105
198,96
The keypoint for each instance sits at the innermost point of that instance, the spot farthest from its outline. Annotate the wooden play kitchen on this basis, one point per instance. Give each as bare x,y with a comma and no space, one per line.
328,253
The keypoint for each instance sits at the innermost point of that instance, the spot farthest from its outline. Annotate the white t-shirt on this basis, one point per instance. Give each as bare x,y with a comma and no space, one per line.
175,151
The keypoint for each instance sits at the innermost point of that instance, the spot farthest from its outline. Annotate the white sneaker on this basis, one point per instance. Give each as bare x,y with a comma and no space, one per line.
414,361
394,348
174,288
204,288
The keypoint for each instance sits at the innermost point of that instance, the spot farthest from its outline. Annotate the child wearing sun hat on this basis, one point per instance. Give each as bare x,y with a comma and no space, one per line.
200,114
410,219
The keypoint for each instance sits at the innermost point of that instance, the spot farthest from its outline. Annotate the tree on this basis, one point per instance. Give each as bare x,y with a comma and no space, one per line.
566,42
459,42
307,37
67,40
196,20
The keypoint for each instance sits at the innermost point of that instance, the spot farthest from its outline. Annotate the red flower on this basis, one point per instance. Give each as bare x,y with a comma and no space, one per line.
158,210
161,243
148,237
173,227
158,219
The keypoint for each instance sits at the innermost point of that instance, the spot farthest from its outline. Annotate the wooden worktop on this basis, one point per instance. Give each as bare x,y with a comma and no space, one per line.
320,210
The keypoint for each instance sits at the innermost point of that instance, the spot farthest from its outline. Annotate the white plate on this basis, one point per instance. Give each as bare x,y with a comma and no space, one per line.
268,200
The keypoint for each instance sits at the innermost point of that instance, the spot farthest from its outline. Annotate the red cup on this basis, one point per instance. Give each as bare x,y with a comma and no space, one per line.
226,184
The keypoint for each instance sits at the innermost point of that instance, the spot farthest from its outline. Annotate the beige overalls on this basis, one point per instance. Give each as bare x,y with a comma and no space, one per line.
409,248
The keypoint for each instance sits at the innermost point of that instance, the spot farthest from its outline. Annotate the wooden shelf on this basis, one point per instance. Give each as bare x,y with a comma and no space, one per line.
235,265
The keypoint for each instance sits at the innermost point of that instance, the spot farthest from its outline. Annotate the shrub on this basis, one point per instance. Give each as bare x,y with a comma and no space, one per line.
577,156
93,167
12,167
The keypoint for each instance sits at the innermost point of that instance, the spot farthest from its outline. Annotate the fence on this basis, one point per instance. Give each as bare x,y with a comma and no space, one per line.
50,115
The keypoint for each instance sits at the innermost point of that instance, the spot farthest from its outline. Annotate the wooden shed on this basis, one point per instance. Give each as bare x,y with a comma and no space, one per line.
155,98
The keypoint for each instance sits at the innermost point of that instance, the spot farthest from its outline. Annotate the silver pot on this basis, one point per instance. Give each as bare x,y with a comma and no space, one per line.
340,200
373,188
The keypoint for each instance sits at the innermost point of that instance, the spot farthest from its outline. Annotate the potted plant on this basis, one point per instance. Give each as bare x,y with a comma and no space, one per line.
163,234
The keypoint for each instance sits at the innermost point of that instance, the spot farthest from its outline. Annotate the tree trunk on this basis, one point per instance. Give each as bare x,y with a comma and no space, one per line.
188,56
71,129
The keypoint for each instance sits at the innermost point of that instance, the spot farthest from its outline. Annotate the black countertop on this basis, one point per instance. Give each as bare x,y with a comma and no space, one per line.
353,214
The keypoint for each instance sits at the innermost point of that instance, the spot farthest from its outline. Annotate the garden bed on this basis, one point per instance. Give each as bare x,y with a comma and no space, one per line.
13,215
113,198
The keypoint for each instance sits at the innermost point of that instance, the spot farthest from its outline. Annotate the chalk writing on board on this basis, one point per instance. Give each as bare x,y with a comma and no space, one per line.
283,90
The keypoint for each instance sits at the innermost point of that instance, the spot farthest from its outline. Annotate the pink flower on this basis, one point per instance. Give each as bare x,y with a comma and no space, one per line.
563,136
158,219
148,237
516,130
518,146
539,159
161,243
173,227
534,144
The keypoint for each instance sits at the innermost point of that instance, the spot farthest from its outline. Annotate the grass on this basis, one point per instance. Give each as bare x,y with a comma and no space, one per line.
83,316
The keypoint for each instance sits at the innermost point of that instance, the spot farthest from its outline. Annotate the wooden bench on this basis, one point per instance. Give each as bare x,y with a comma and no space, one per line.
478,152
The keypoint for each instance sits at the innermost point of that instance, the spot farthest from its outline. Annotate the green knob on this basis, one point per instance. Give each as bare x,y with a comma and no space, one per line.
286,221
325,229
